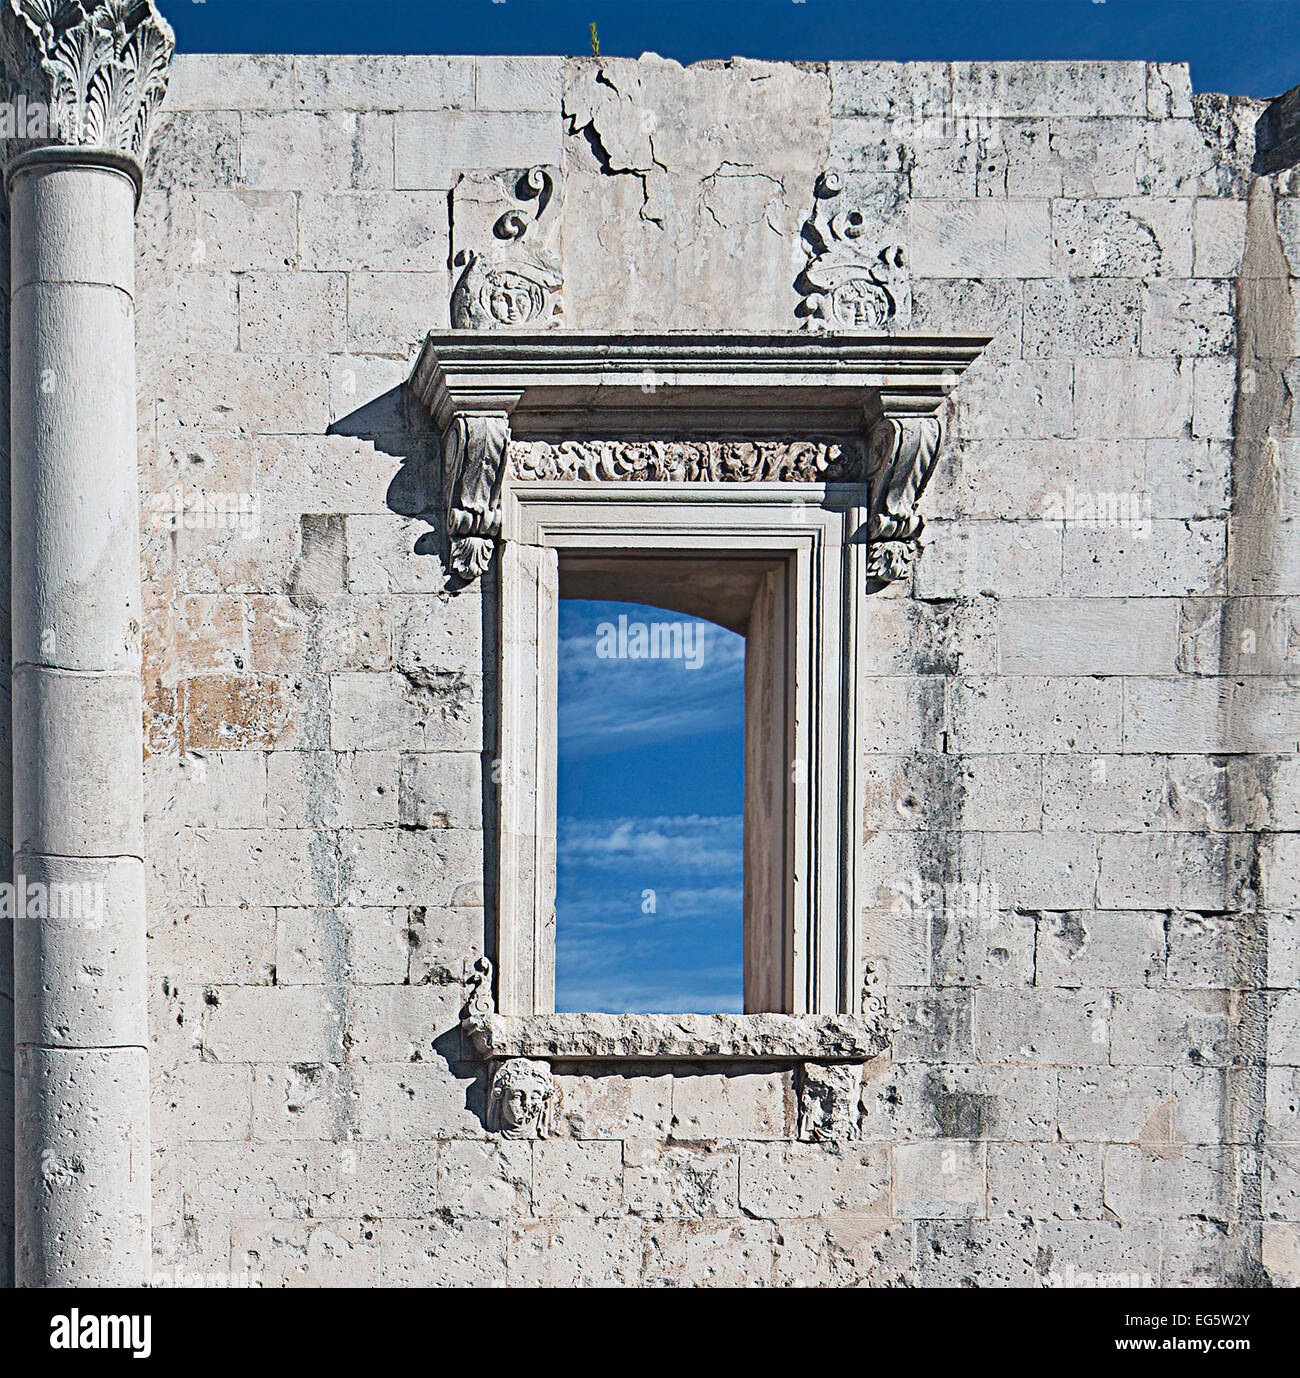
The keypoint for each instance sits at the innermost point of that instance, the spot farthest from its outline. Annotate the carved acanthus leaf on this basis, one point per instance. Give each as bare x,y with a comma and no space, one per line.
901,456
688,461
850,283
96,70
473,466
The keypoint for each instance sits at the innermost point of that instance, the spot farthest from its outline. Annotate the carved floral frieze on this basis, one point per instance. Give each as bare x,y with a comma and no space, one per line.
688,461
96,70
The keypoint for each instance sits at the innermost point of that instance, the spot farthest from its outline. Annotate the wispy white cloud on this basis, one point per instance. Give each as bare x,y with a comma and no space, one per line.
686,842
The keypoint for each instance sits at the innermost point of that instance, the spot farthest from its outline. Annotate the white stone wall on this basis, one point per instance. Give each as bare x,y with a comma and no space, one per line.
6,794
1074,716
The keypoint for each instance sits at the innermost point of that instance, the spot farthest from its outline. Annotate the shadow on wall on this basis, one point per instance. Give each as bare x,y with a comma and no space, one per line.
398,425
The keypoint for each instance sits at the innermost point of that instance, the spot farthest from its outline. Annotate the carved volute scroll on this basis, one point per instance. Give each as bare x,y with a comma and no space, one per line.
505,230
473,466
92,72
850,283
901,457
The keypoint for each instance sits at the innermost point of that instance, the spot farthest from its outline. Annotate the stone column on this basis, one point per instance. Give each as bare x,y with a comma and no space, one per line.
91,80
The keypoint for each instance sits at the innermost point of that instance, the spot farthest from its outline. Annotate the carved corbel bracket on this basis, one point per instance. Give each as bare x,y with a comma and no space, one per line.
473,457
901,455
91,73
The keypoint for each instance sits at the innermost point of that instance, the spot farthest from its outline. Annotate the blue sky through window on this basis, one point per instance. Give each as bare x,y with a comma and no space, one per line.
651,776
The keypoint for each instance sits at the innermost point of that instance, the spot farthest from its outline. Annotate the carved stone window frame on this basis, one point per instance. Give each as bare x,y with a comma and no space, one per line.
677,442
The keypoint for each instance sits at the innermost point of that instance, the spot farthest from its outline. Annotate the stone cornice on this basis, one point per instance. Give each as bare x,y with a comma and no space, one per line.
588,385
92,72
688,407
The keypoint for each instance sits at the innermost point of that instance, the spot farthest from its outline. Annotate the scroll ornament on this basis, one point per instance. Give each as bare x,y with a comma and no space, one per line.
850,284
901,456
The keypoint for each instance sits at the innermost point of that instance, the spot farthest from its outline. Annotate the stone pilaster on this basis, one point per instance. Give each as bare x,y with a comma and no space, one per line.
91,76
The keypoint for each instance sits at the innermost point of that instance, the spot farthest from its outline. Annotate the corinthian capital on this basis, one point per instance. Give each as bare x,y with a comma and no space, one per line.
90,73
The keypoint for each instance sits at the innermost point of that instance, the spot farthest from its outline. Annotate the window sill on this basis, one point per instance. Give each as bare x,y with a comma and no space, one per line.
678,1037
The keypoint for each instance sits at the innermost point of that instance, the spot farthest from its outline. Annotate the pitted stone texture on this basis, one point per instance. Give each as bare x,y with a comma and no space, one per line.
688,1037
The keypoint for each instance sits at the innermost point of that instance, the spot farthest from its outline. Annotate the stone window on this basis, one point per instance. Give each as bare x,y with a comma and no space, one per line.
767,484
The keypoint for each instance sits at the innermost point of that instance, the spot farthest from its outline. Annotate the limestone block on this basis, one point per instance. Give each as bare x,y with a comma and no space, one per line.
317,789
307,1100
218,789
1131,398
1016,400
233,394
404,1104
391,313
1280,864
923,1101
377,231
1182,317
331,946
993,949
485,1180
201,307
1038,870
936,1025
1002,89
434,638
1283,1040
307,1253
618,1103
680,1181
1165,1185
1172,870
1199,715
443,790
517,83
194,149
1169,90
1048,714
1045,1181
733,1105
796,1181
1216,951
430,148
1093,157
1082,316
1108,794
292,313
575,1252
1171,560
441,940
1115,1105
917,96
400,1023
318,152
241,231
1099,949
724,1253
903,708
234,946
1219,236
1122,237
1062,1026
1214,392
273,1023
438,868
575,1177
393,555
1187,478
1155,1028
980,238
446,1253
1057,636
942,1180
383,712
992,307
258,867
202,1100
365,82
230,81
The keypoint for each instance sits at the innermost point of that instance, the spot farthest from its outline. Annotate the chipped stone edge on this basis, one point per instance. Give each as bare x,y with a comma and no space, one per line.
676,1037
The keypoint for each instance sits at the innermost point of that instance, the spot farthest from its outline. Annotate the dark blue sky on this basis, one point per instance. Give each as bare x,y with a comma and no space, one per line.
1245,47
